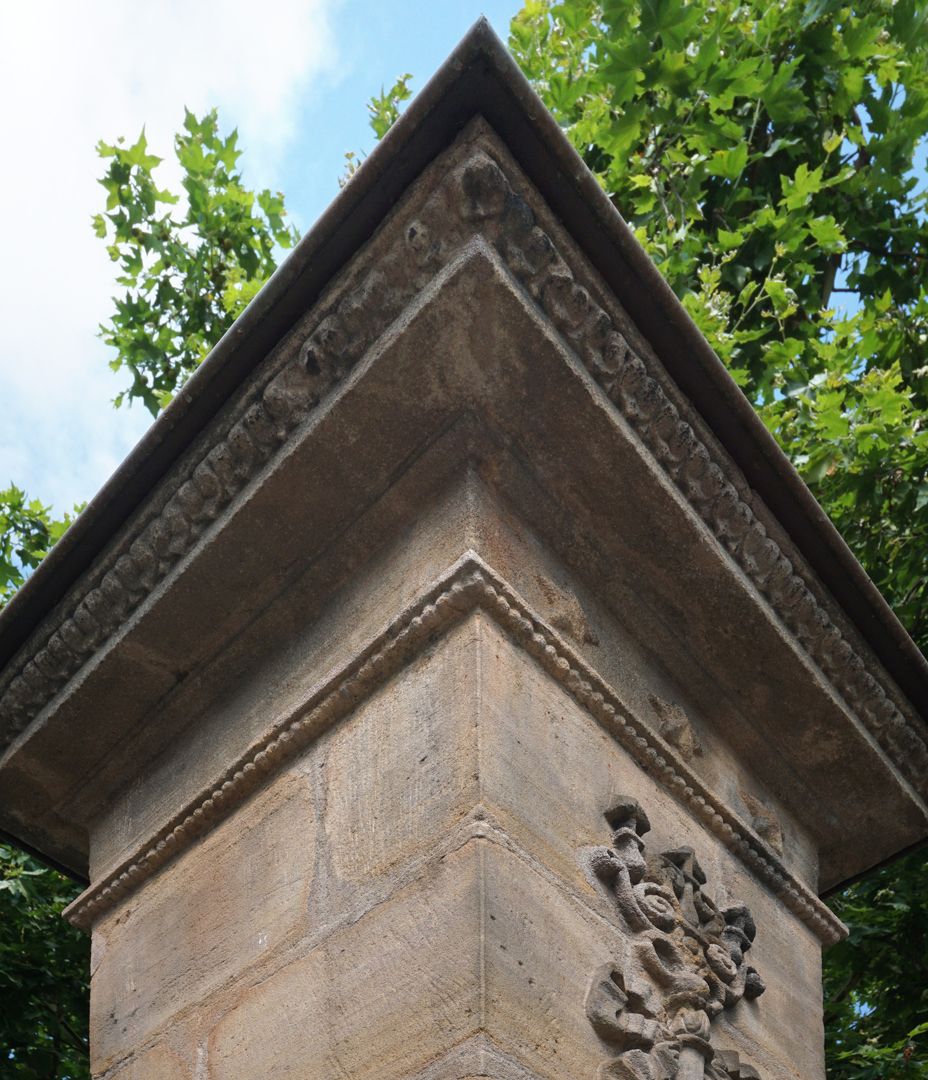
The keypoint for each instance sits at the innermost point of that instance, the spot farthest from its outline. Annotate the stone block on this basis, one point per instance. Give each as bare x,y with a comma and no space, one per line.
155,1064
379,998
541,945
480,943
402,770
222,906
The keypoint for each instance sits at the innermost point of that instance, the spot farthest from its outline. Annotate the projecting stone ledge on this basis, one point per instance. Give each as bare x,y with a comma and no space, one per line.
444,884
458,682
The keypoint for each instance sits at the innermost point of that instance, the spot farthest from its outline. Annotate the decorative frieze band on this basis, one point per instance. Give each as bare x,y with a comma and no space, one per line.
475,198
468,585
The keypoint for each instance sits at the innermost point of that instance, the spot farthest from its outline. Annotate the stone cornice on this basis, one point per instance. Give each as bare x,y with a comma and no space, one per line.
475,198
469,585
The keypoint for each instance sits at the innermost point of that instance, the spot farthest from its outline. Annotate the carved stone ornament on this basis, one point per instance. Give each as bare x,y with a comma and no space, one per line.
685,964
476,201
468,585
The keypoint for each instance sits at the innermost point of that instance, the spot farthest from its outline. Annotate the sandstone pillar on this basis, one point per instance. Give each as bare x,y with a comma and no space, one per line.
457,682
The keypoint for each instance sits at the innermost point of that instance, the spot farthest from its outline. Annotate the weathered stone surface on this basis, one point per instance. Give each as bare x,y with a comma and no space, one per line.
504,359
214,912
480,942
473,738
156,1064
403,770
548,775
377,999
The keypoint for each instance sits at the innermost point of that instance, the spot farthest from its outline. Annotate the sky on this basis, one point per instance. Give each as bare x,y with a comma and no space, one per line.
293,76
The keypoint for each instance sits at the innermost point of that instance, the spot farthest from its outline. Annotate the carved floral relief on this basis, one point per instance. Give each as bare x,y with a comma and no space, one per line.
685,964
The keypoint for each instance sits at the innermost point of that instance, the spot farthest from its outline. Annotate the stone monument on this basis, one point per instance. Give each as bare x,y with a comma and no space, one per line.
457,681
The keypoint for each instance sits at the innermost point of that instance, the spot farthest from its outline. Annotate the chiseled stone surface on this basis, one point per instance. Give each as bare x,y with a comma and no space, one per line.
479,942
548,775
447,896
379,998
155,1064
214,912
403,770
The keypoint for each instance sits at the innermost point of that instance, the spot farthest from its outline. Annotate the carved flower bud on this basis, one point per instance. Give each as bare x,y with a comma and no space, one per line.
649,400
320,351
605,1002
605,864
637,1031
485,188
630,851
666,1058
711,483
518,220
692,1022
614,353
738,917
722,963
567,303
754,985
627,813
537,252
656,902
418,240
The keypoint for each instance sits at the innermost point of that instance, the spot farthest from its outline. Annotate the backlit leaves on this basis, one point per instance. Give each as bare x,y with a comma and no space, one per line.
187,263
28,529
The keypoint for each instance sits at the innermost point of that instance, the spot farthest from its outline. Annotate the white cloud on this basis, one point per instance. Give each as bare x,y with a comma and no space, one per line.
71,74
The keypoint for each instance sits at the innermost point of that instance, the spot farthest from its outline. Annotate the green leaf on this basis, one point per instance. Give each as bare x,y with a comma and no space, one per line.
671,19
814,10
728,241
798,191
827,232
783,96
833,141
729,163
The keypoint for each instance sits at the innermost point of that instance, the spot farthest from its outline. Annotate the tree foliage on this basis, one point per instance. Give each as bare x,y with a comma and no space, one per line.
383,110
188,274
44,973
764,154
876,982
44,963
28,529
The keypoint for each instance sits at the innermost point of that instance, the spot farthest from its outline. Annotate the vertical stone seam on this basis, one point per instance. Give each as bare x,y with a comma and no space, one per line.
482,869
482,886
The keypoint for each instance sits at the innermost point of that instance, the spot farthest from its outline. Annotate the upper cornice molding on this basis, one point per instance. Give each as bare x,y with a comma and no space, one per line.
479,78
474,202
